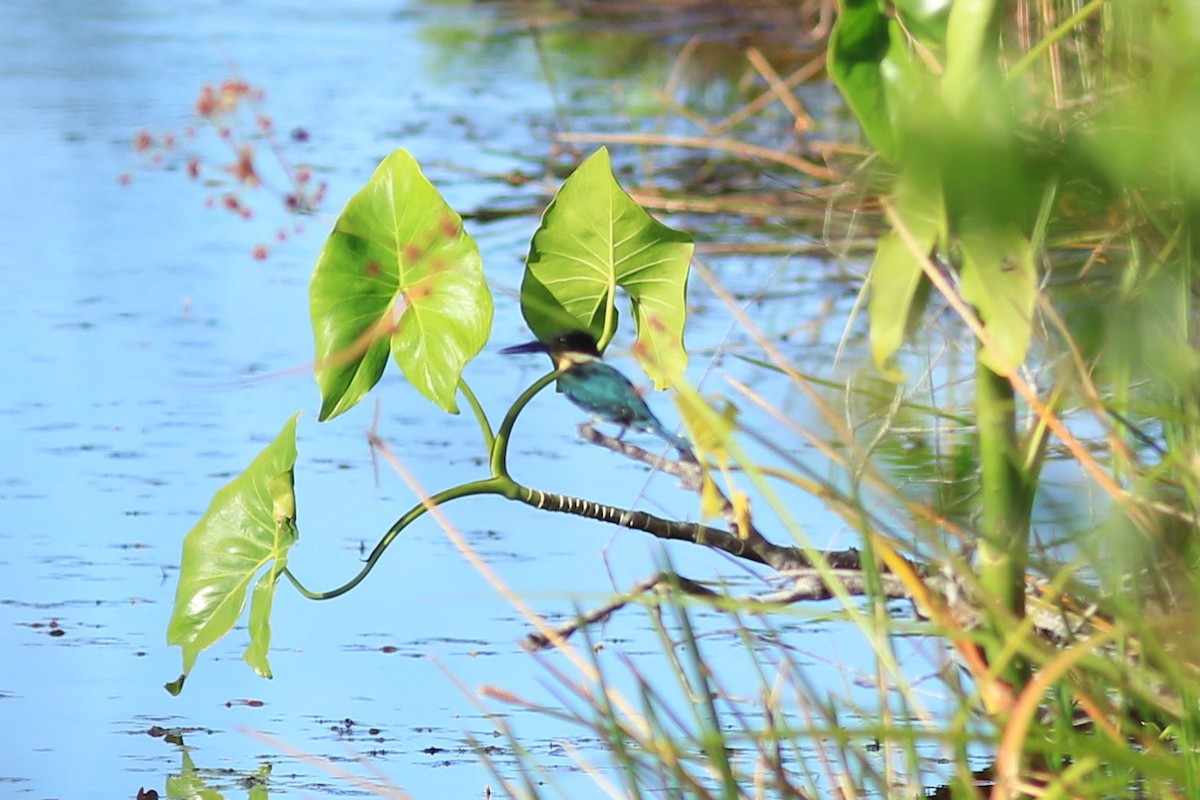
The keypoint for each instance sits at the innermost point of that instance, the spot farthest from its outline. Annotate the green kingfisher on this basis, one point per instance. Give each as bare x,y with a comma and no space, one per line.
597,388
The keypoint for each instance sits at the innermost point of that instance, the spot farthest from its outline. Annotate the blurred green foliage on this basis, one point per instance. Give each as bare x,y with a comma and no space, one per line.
1041,167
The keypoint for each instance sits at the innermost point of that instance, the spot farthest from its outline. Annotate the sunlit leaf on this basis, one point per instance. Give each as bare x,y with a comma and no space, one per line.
398,274
249,525
260,619
710,429
999,279
897,273
594,238
712,503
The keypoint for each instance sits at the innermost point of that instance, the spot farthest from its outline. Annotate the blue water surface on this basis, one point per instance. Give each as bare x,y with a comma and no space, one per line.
148,356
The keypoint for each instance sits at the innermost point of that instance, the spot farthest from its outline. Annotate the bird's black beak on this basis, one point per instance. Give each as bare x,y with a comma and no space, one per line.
528,347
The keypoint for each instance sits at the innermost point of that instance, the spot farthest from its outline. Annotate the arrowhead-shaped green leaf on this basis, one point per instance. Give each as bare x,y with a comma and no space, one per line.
398,274
250,524
897,273
870,63
594,238
999,278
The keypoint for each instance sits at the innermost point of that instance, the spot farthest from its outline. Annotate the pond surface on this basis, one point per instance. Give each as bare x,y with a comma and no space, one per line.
149,356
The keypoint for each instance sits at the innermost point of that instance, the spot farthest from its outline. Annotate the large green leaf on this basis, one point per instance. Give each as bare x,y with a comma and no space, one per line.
250,525
397,274
872,68
999,279
594,238
897,273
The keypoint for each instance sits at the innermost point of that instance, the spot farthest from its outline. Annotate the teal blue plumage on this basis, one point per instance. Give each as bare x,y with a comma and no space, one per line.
608,396
597,388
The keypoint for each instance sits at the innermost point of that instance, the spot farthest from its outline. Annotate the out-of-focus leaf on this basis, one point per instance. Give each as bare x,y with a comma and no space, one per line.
398,274
999,279
897,273
1148,141
741,513
710,429
972,72
594,238
250,525
872,68
925,19
712,503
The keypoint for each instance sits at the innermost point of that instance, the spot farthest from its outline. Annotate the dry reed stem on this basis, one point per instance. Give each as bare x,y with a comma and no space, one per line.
799,76
801,121
834,421
773,248
702,143
1007,371
515,600
754,207
1008,757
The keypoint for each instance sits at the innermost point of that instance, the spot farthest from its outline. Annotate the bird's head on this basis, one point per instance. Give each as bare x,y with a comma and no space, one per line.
565,349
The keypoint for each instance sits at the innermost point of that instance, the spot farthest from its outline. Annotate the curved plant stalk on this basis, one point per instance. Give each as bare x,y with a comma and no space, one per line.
472,489
399,277
1010,756
499,451
501,483
485,427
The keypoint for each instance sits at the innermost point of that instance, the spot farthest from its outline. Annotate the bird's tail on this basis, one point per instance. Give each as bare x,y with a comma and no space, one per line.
678,442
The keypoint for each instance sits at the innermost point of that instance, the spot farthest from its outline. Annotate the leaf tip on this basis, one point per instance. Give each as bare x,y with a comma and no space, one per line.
176,686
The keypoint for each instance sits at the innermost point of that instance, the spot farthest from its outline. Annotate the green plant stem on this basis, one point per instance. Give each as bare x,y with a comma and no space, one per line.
1004,540
506,487
489,486
499,459
500,483
485,427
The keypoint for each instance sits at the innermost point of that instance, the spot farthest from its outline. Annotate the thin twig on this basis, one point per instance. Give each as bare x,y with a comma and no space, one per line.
702,143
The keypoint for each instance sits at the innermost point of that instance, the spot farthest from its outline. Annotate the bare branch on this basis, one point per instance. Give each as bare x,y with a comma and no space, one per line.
807,585
661,582
803,580
691,476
